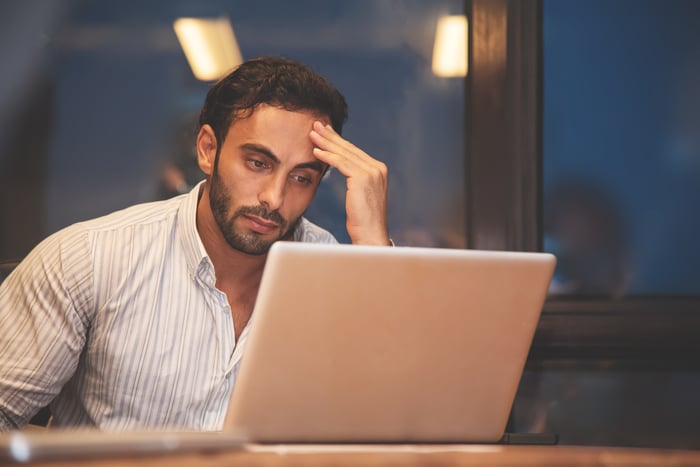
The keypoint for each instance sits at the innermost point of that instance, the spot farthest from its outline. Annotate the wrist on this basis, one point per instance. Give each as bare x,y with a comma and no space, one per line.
373,241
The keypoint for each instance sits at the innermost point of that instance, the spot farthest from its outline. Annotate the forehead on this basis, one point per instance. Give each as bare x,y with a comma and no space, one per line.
284,132
265,117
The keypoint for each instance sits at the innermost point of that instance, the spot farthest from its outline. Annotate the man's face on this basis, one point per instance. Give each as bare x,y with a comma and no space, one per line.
265,178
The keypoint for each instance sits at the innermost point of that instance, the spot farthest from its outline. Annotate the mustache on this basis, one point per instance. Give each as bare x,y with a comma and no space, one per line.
263,213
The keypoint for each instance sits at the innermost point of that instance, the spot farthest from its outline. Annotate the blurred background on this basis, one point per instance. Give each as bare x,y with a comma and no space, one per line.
100,106
574,130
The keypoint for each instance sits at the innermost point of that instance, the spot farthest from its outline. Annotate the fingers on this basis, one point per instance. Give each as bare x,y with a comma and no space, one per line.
337,142
331,148
367,178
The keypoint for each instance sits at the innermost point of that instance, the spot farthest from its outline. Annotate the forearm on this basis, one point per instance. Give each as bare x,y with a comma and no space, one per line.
6,423
41,334
380,239
28,350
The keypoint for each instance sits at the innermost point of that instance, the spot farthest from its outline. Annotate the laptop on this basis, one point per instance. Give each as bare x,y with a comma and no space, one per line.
366,344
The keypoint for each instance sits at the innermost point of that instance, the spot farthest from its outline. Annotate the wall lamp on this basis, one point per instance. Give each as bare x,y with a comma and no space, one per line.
450,49
209,45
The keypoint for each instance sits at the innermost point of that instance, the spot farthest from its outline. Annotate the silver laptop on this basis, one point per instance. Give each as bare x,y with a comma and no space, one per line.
380,344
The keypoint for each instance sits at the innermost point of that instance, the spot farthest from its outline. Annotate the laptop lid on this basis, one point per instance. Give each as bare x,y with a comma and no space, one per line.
380,344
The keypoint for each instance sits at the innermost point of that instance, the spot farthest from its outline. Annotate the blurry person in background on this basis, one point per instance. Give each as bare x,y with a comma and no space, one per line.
585,231
179,171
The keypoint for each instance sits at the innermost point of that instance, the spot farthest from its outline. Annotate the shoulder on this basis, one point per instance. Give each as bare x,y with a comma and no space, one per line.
118,221
133,216
307,231
74,249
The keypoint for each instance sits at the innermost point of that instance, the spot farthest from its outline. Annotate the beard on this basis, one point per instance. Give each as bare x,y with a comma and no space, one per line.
250,243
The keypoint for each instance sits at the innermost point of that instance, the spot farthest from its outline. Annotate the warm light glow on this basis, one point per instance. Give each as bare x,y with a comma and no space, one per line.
450,50
209,45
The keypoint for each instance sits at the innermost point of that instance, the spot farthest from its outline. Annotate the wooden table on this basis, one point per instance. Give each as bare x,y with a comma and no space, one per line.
404,455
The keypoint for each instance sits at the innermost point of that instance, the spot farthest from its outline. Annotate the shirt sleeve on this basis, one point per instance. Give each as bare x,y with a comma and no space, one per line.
44,316
309,232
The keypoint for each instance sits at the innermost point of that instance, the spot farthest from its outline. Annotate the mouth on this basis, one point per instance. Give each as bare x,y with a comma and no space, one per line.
260,225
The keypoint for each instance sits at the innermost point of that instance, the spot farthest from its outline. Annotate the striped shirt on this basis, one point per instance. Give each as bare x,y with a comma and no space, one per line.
117,323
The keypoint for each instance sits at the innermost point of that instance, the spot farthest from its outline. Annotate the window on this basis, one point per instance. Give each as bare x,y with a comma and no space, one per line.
621,146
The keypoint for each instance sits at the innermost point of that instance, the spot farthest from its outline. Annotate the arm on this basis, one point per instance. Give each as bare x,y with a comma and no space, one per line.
42,329
367,180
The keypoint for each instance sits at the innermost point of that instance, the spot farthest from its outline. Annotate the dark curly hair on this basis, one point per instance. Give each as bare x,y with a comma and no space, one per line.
275,81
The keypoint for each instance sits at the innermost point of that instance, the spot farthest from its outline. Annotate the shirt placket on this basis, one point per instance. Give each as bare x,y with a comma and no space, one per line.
220,312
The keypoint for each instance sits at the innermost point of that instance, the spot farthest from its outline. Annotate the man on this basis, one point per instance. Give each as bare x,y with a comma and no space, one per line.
139,318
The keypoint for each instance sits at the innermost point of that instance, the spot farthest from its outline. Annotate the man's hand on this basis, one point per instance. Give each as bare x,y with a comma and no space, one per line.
366,196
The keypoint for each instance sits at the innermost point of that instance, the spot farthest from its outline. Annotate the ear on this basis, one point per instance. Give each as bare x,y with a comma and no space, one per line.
206,149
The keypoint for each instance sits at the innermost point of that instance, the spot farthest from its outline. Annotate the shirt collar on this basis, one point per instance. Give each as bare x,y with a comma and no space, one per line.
187,225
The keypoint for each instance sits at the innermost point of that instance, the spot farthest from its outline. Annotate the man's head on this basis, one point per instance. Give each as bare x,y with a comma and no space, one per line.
274,81
254,146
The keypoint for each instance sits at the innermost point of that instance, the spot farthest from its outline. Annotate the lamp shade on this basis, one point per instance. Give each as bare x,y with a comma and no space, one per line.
450,49
209,45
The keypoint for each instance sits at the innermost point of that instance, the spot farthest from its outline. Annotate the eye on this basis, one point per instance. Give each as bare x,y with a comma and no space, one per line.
257,164
301,179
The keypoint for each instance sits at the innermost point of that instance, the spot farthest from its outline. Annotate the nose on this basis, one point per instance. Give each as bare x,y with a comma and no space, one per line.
272,193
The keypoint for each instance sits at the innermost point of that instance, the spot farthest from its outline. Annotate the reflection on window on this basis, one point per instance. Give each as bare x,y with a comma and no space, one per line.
622,145
99,107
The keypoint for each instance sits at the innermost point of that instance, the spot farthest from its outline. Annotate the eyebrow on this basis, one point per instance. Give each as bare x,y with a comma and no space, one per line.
316,165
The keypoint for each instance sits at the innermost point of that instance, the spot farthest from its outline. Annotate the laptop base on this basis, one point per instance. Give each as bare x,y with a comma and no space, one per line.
508,438
530,438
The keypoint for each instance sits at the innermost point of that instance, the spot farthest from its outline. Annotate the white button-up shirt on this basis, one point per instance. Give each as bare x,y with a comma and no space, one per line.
117,320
